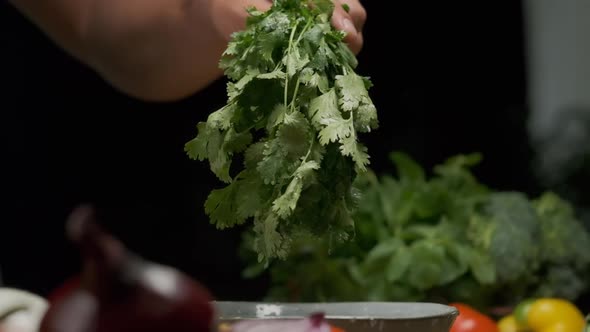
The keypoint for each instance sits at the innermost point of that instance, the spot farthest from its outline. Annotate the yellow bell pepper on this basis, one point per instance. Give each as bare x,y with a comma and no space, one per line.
547,315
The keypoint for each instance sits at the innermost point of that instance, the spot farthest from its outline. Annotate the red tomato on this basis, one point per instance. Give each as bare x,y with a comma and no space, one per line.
471,320
332,329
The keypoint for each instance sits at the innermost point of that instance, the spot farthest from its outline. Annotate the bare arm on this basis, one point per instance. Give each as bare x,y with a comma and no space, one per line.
150,49
153,49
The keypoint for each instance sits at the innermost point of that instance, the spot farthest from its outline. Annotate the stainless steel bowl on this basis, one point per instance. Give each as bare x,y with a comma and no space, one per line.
351,316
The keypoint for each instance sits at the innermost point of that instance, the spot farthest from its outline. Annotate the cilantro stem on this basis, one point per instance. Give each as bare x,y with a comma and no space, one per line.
309,21
289,48
309,150
279,64
305,28
304,160
295,93
351,120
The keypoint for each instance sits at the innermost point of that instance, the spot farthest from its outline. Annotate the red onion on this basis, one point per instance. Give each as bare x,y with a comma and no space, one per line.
314,323
120,292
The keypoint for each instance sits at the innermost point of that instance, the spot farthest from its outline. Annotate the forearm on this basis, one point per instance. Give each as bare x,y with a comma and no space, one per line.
155,49
62,20
150,49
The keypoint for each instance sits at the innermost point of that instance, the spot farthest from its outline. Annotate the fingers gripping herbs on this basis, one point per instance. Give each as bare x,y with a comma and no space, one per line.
294,111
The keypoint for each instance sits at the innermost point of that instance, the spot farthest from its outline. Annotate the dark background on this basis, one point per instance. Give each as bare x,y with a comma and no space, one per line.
449,78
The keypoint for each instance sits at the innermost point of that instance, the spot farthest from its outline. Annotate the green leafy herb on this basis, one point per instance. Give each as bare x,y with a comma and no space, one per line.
443,237
294,112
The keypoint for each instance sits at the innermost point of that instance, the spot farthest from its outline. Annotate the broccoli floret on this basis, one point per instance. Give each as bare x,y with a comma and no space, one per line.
564,238
507,229
564,249
561,281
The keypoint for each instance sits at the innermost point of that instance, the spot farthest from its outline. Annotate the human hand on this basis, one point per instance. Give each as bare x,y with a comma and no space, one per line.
352,22
230,16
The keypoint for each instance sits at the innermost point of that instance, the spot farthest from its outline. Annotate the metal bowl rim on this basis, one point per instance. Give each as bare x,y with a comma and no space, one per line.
232,310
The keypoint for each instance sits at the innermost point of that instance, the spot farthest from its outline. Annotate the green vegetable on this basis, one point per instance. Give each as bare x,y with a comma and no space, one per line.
565,249
507,228
294,113
446,236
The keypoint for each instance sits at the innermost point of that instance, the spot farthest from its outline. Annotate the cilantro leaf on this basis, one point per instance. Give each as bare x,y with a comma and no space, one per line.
254,155
358,152
324,6
277,74
273,167
366,118
352,91
286,203
209,144
221,207
295,61
269,242
336,130
276,117
222,118
252,194
236,142
197,147
323,109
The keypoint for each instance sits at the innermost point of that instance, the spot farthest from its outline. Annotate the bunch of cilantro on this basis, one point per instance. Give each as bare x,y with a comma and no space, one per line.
443,238
292,121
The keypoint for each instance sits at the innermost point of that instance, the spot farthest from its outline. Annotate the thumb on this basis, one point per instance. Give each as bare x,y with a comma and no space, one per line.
343,21
262,5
